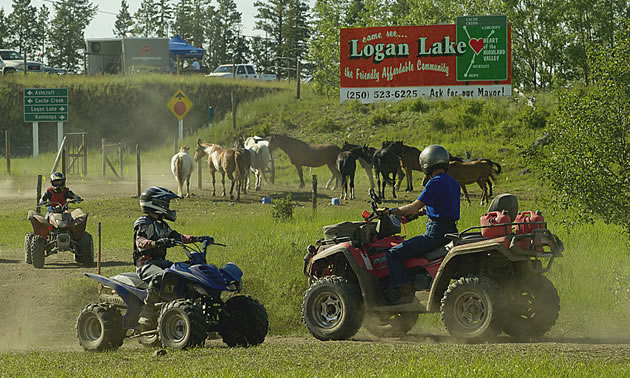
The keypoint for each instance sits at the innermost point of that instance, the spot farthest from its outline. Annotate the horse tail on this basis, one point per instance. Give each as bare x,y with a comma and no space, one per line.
497,165
179,167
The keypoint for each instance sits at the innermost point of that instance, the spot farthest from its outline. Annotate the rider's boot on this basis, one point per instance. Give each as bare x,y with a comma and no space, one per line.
402,294
148,315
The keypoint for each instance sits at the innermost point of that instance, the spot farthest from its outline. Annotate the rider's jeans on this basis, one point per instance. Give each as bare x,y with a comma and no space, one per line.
417,246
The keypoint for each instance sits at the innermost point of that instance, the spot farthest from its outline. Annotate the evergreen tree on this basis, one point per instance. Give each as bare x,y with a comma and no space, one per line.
21,20
67,32
146,19
40,33
225,35
123,27
271,18
297,32
183,23
4,29
164,18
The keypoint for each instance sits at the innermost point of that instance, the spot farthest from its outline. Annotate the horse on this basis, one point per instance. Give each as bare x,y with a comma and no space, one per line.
365,161
470,172
260,159
386,162
346,164
309,155
231,162
468,159
409,161
182,166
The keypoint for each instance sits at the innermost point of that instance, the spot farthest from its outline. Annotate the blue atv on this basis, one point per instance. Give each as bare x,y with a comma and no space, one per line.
191,308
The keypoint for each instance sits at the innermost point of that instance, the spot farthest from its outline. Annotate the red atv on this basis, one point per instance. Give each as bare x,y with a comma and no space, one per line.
62,230
488,279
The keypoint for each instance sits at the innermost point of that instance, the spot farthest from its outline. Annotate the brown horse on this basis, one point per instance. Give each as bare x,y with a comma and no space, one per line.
308,155
470,172
409,160
231,162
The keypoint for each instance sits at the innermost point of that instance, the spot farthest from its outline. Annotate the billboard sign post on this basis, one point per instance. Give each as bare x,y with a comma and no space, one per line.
470,59
45,105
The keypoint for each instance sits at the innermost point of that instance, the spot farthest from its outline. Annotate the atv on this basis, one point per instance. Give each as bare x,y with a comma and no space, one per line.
191,310
487,279
62,230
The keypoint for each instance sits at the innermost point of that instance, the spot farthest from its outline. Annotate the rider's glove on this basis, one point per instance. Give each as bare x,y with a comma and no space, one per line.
78,199
209,239
165,242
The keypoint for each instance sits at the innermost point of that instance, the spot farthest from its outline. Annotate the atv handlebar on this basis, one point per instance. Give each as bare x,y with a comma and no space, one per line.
191,248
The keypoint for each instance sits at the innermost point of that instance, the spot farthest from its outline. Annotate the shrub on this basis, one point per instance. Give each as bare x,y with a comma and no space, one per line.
282,210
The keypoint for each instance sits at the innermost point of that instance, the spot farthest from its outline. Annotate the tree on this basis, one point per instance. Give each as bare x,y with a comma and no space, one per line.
164,17
123,27
226,43
4,29
146,19
297,31
323,50
67,32
587,162
23,17
271,18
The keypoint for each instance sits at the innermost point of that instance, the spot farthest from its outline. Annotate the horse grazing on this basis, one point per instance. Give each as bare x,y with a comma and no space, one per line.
260,159
309,155
409,160
231,162
365,161
386,162
182,166
470,172
346,164
468,159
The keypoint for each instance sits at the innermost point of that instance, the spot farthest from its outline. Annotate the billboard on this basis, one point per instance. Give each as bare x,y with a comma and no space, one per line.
471,58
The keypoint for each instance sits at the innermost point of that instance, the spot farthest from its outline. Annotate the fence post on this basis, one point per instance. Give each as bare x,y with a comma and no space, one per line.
98,257
199,180
103,155
298,79
314,192
120,158
7,141
64,161
39,191
84,155
138,169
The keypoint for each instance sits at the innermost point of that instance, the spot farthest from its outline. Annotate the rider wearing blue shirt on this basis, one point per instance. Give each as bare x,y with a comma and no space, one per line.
440,202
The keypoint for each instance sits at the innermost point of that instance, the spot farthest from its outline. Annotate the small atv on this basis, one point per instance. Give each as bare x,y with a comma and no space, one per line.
480,285
61,231
192,308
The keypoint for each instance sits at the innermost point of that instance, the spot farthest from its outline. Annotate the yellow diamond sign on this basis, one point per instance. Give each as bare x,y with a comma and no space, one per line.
179,104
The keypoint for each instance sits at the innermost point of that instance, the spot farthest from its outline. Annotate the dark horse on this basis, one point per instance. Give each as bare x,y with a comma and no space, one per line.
409,160
309,155
365,161
386,162
346,164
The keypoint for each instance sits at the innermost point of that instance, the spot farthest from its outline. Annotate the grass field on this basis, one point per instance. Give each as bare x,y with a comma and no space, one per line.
592,278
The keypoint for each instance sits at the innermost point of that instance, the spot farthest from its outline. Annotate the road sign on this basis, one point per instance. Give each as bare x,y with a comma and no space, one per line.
46,105
486,58
179,104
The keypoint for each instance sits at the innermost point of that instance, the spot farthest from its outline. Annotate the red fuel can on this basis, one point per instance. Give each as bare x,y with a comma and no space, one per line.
529,218
495,224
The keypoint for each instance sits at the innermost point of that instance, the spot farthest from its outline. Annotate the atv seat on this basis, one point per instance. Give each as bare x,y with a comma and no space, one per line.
131,279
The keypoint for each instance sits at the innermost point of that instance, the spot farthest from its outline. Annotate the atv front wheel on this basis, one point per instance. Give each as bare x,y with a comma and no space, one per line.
534,308
332,308
99,327
472,308
182,325
38,251
248,322
86,251
390,325
28,239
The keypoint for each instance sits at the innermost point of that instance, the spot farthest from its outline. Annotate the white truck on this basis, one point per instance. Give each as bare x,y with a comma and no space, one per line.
240,71
11,62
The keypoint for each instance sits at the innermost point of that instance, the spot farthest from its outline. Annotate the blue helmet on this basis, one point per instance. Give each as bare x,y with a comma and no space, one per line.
156,200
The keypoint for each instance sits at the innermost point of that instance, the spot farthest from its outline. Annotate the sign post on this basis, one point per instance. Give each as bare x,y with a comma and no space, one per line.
45,105
179,105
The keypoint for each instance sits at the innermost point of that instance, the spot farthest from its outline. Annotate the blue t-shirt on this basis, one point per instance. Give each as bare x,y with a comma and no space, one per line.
441,195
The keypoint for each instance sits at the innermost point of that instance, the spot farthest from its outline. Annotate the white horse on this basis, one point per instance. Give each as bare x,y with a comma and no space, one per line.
182,166
261,158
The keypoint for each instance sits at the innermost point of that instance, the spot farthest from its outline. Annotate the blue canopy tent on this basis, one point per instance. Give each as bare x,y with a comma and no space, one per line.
179,49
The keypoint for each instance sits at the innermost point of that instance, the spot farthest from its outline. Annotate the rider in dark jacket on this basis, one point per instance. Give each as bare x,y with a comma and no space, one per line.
152,236
57,193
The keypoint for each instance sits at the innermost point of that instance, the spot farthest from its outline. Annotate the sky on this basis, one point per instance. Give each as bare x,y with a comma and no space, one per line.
103,23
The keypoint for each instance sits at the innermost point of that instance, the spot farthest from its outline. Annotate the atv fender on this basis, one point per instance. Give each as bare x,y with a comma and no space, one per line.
39,222
207,275
133,297
444,274
368,283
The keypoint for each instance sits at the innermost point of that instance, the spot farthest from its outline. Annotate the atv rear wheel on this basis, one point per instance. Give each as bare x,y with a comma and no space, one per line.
182,325
472,308
28,239
86,251
99,327
248,322
332,308
38,251
390,325
533,310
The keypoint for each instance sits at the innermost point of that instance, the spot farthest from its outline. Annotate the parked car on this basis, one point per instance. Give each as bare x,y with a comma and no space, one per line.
13,62
241,71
